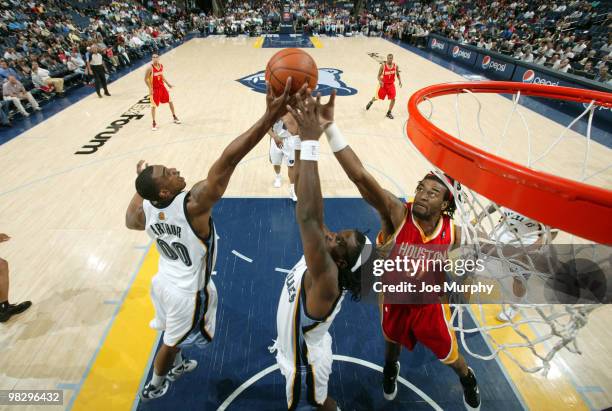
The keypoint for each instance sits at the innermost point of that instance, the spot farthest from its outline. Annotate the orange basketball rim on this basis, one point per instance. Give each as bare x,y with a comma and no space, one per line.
578,208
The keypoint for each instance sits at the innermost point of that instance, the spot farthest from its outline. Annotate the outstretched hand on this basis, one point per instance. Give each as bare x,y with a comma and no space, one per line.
275,106
306,113
326,111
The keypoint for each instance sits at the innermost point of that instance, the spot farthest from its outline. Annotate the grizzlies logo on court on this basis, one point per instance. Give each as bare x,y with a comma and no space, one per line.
329,79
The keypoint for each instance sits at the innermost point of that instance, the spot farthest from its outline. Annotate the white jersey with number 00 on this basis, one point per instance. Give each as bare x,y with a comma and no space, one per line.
186,261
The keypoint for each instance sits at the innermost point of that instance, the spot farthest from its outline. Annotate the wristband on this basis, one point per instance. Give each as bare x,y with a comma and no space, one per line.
310,150
335,138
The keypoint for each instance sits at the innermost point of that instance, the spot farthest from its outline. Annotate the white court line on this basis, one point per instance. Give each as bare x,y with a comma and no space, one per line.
282,270
345,358
401,379
246,385
244,257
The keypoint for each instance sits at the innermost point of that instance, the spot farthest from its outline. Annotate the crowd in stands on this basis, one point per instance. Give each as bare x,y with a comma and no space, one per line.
261,17
45,46
571,36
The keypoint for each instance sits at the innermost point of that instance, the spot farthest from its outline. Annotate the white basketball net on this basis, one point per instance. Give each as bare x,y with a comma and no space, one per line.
541,329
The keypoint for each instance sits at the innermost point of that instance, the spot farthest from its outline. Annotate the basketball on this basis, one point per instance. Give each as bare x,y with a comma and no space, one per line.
294,63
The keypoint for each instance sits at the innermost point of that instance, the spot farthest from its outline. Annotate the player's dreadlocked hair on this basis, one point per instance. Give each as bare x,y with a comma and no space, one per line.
348,279
448,196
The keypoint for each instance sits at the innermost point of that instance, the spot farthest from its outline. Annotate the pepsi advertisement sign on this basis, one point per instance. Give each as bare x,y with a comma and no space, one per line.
531,76
439,46
463,55
494,67
527,75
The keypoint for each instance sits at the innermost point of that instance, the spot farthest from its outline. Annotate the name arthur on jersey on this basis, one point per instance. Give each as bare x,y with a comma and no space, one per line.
133,113
163,228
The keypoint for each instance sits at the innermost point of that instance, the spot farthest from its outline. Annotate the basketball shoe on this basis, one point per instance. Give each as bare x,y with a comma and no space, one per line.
178,371
8,310
154,128
151,392
507,315
390,372
389,115
176,120
471,395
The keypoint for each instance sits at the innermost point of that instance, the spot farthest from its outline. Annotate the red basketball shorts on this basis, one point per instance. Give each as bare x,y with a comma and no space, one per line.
428,324
387,90
160,95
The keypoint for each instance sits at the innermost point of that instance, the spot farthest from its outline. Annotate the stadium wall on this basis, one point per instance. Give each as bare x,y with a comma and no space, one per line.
497,66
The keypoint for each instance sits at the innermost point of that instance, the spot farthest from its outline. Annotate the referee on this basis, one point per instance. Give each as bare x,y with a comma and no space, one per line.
96,68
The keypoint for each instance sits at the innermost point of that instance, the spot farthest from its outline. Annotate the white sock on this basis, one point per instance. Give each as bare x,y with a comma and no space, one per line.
178,359
157,380
278,175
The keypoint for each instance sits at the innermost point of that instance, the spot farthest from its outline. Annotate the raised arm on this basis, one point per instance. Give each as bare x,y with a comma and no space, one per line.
207,192
309,210
134,216
389,207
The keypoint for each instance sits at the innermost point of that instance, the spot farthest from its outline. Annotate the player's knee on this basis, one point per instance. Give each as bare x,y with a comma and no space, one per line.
171,348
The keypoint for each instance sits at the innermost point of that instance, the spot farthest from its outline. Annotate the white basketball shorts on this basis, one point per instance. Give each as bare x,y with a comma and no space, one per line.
185,318
285,155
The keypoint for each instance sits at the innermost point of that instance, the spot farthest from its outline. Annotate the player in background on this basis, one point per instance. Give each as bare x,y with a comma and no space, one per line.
284,145
514,229
386,84
158,93
183,292
7,310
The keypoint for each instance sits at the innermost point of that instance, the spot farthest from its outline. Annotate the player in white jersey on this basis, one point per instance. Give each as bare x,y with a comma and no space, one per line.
313,290
284,142
515,229
180,223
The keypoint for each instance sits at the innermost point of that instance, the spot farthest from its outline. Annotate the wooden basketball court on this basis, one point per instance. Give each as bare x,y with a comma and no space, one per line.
71,254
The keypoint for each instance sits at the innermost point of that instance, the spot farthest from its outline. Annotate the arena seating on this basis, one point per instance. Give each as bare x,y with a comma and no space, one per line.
57,35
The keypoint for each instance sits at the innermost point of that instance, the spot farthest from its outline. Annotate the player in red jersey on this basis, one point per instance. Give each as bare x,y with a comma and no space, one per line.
386,84
158,93
427,220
